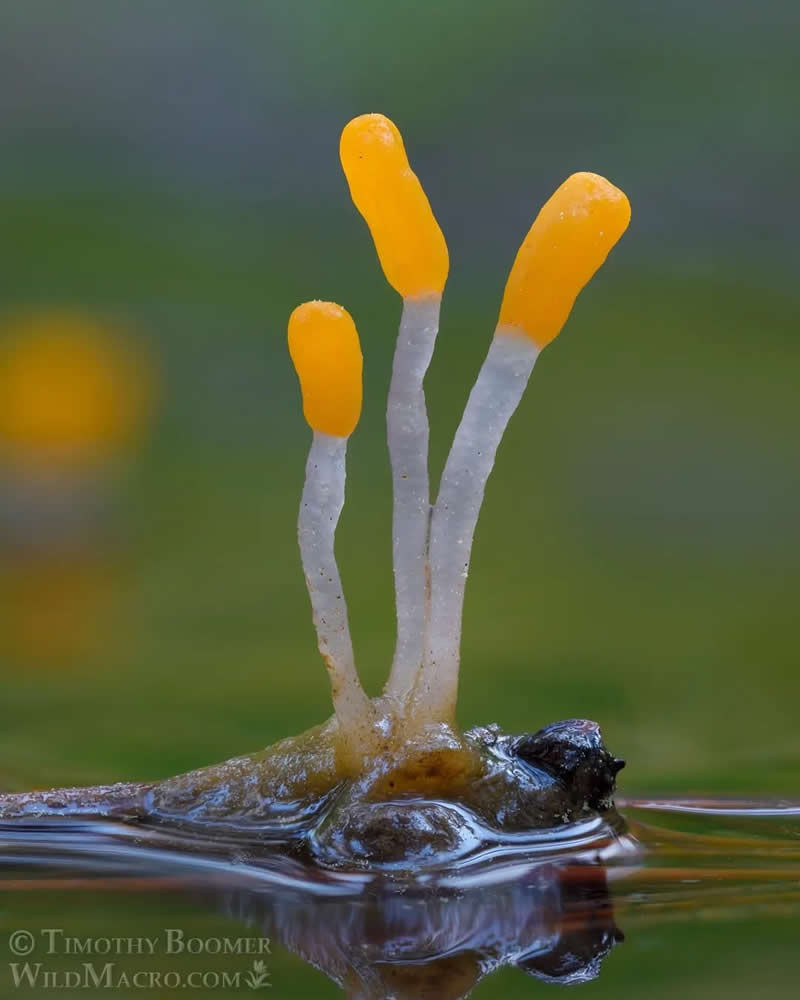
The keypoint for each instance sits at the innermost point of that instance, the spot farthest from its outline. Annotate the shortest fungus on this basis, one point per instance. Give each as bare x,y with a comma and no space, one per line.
323,343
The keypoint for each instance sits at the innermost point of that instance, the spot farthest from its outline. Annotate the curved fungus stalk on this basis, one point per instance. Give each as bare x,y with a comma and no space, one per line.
325,350
567,243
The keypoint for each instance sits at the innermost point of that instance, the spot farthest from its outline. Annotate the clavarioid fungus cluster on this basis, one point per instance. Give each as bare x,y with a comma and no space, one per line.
569,240
393,779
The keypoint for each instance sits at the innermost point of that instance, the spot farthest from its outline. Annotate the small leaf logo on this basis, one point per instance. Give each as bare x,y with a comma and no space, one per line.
259,977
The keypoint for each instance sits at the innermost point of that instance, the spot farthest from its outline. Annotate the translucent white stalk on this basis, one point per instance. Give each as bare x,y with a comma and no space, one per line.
494,398
407,420
321,505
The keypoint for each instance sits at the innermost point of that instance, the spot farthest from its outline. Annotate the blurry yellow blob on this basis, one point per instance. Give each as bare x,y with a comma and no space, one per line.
75,394
386,191
323,344
69,388
571,237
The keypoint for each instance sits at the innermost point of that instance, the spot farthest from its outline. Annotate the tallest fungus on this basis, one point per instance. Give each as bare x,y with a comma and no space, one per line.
414,258
567,243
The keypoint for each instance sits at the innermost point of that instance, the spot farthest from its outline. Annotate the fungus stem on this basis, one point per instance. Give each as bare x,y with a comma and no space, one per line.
325,350
413,255
321,505
568,241
494,398
407,420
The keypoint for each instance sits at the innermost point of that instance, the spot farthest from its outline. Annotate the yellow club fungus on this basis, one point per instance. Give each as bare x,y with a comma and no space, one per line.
387,192
413,254
569,240
325,350
571,237
326,354
567,243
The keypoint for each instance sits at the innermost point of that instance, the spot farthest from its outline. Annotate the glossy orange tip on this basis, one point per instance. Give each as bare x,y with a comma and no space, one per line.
387,192
326,353
569,240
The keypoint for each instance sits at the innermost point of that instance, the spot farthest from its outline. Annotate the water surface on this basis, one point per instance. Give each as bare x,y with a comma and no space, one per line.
689,897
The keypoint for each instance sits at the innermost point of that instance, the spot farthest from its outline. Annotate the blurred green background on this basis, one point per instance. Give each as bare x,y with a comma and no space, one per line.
174,169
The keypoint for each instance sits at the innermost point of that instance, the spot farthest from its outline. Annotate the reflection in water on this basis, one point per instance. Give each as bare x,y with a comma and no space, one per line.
555,923
548,907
